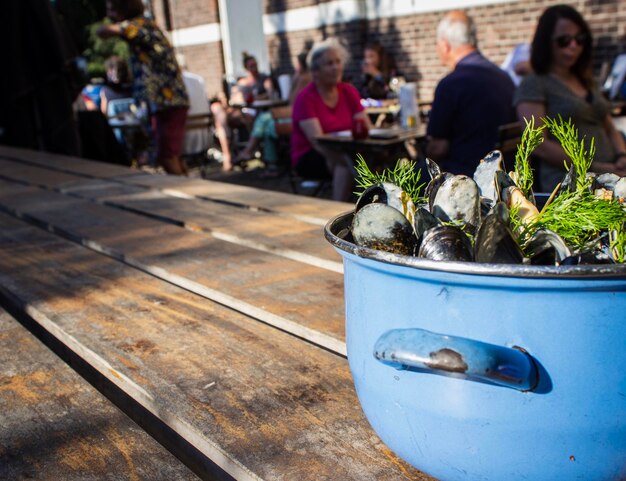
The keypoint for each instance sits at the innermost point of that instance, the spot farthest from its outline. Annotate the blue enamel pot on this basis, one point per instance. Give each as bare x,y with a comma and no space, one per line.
489,372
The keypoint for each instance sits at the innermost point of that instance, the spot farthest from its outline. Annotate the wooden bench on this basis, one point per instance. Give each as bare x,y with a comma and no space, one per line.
54,425
215,320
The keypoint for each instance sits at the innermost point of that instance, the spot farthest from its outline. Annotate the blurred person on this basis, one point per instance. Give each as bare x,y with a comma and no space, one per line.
377,69
325,105
301,78
470,103
195,140
264,129
253,86
118,83
562,84
517,63
157,79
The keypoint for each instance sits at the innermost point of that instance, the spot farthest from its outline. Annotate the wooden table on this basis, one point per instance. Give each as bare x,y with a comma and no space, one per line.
261,104
381,149
211,314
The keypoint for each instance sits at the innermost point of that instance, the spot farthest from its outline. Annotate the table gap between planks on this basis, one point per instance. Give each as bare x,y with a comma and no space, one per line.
54,425
211,314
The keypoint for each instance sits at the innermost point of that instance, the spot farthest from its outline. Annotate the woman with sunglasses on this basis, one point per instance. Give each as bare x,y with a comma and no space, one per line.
562,84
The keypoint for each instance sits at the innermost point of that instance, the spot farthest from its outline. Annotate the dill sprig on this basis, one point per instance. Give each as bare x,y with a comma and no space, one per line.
520,229
567,135
579,217
618,242
404,175
531,138
365,178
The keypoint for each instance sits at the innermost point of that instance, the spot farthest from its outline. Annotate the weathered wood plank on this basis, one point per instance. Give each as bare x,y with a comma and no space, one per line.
54,425
260,403
302,299
282,235
317,211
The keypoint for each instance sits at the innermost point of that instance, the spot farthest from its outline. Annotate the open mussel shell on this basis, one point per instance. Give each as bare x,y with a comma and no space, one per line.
379,226
547,248
446,243
485,174
457,200
588,258
568,184
526,210
433,168
619,191
596,251
435,183
494,242
389,194
606,181
503,182
423,221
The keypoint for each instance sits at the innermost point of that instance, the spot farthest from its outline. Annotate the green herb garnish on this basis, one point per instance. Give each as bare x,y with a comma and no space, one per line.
404,175
617,235
579,217
531,138
567,135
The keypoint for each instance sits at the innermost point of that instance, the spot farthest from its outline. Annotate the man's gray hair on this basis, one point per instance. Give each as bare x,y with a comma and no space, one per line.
457,31
320,48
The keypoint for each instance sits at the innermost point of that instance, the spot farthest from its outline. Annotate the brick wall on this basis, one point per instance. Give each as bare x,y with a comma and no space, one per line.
206,60
411,39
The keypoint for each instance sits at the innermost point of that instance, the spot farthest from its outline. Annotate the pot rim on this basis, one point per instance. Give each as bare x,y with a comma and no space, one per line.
342,221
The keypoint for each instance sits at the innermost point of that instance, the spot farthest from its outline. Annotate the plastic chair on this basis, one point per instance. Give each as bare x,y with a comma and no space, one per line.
284,85
119,106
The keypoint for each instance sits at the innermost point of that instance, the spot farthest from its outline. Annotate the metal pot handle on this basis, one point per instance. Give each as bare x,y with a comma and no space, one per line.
425,351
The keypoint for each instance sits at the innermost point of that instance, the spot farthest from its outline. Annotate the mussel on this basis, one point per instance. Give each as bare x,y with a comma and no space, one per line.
446,243
457,199
546,247
423,221
494,242
389,194
485,175
379,226
619,191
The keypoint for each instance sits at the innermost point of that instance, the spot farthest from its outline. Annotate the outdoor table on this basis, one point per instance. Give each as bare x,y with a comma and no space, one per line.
261,104
212,314
380,110
381,148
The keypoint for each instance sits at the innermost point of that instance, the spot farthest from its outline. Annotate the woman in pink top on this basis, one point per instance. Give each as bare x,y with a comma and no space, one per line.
325,105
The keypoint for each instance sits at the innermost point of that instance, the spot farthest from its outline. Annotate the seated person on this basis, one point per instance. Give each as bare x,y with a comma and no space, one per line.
118,84
377,69
562,85
325,105
470,103
264,128
254,86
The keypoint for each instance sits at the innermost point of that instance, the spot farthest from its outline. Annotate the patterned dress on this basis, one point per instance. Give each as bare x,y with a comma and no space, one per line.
157,77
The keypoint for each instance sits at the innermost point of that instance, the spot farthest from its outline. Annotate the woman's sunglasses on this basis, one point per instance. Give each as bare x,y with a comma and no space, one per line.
563,41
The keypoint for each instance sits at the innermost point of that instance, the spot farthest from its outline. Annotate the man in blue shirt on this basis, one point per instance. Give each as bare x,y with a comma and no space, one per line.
470,103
